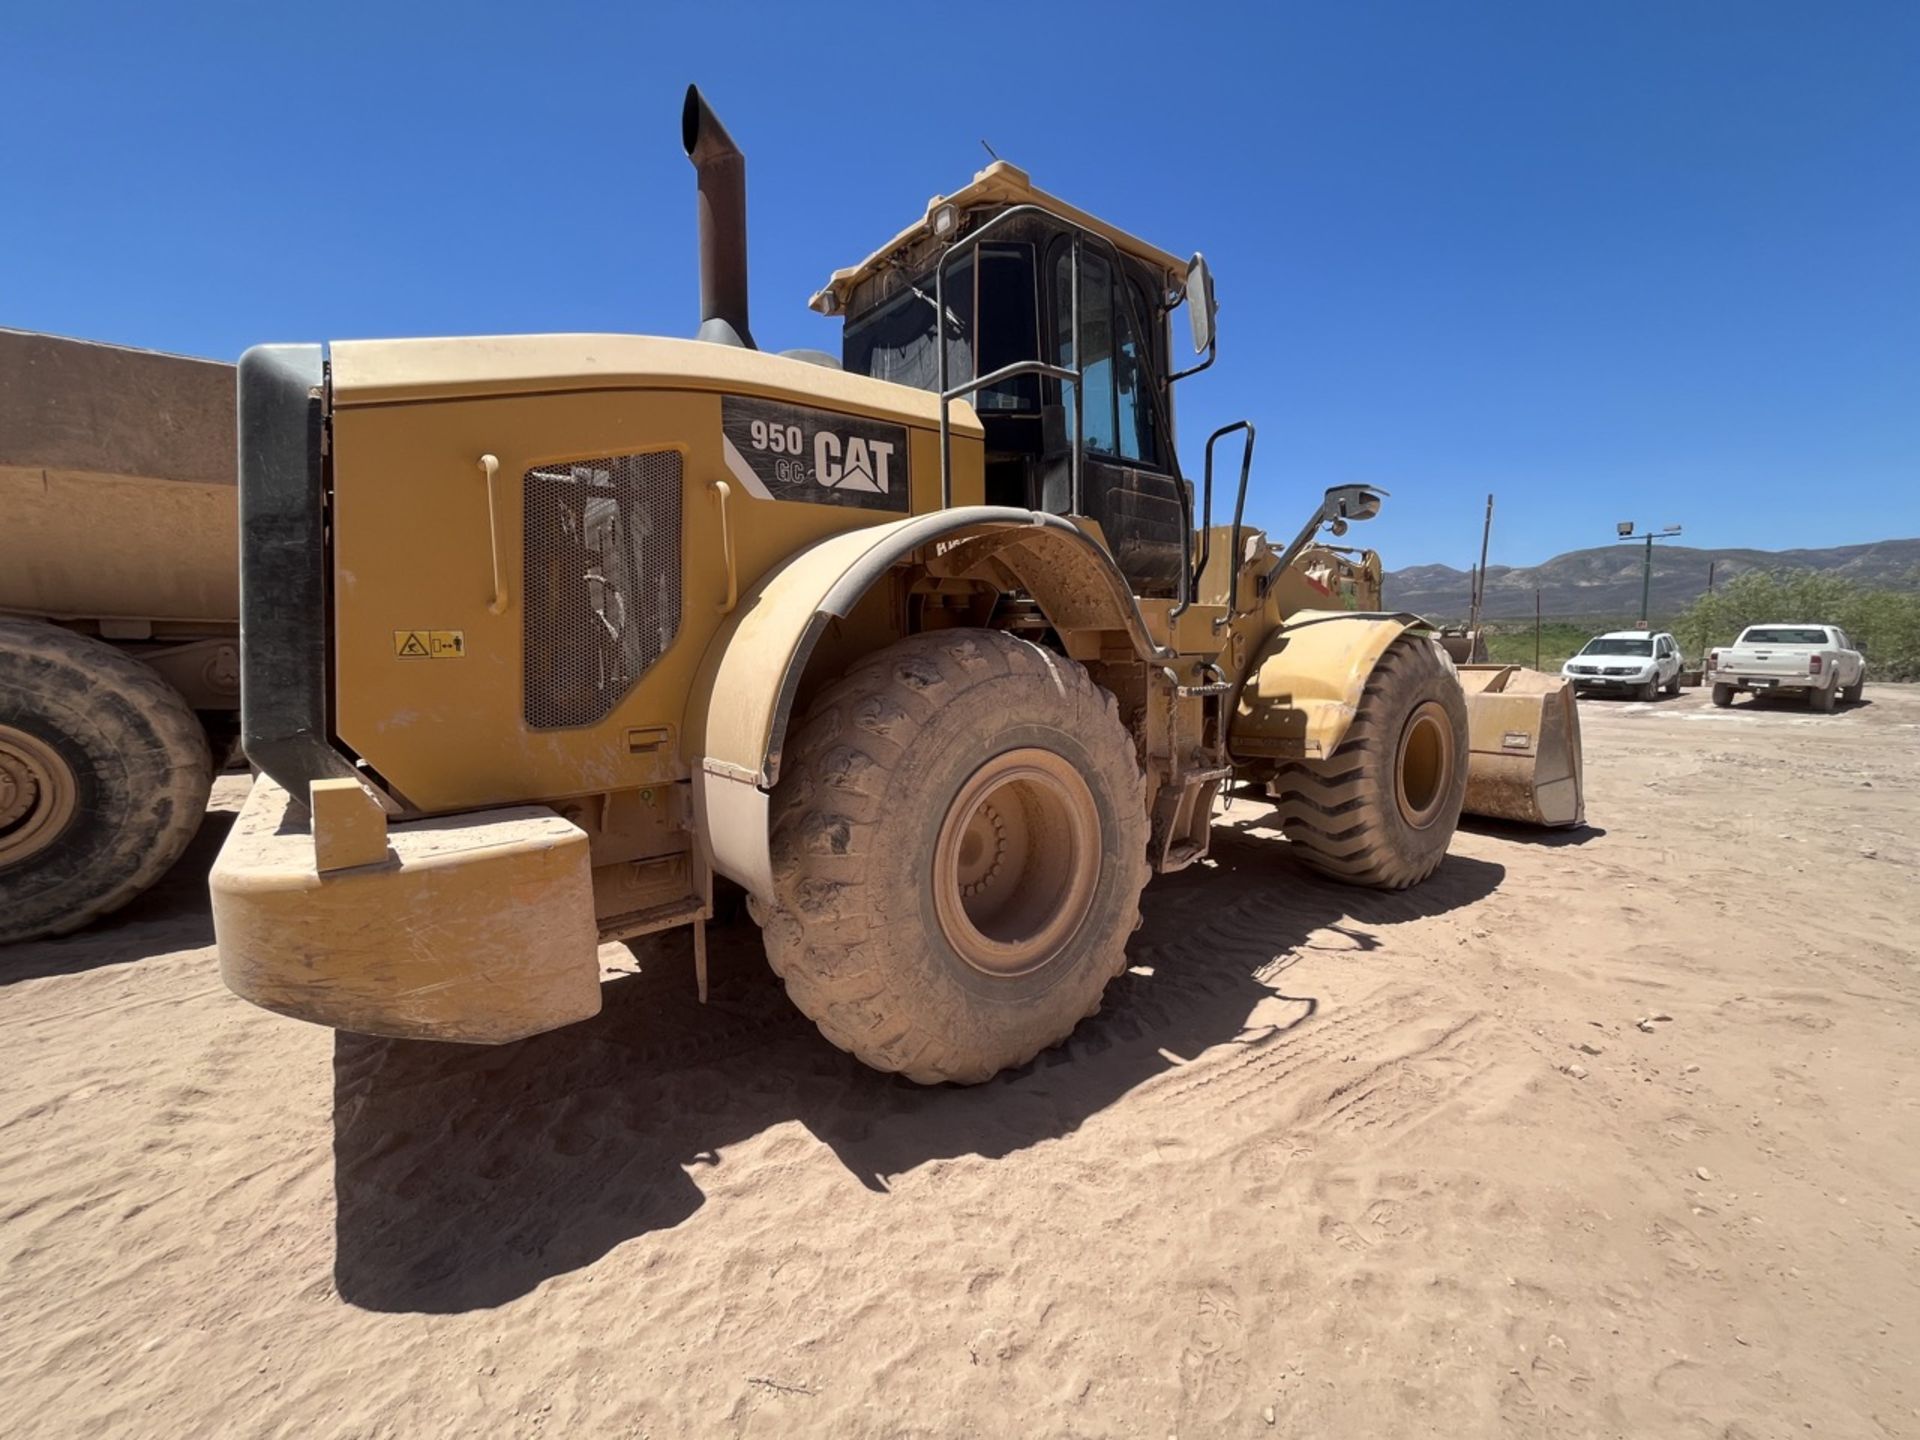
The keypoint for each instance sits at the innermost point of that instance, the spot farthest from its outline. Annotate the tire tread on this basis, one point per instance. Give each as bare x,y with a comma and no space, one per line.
173,772
1335,811
823,938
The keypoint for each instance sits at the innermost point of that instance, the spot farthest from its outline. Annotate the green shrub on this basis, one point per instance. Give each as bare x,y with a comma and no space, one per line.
1883,624
1510,642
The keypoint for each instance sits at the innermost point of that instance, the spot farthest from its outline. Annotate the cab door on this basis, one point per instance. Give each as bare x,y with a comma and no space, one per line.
1128,485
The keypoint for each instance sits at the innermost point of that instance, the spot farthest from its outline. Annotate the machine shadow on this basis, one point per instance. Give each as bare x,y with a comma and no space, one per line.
464,1176
1514,832
172,915
1792,703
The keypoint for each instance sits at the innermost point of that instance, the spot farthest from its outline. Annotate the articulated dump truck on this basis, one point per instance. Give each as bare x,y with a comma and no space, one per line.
119,620
933,649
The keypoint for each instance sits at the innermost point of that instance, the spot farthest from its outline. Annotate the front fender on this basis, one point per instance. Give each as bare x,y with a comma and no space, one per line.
1305,684
743,700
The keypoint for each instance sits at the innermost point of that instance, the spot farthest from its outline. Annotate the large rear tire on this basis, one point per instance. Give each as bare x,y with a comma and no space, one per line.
1822,698
1723,695
959,845
1381,810
104,774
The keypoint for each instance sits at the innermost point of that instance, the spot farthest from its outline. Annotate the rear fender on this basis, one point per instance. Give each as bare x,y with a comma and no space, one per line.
742,704
1305,684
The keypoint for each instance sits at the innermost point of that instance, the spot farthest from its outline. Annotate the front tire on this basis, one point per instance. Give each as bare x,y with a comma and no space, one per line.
1854,691
959,844
1650,691
1381,810
104,776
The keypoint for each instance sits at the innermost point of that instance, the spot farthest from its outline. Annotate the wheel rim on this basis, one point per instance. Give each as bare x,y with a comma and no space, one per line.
1424,764
1016,862
38,795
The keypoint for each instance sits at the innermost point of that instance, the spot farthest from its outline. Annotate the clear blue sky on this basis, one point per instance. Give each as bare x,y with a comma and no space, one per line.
1657,261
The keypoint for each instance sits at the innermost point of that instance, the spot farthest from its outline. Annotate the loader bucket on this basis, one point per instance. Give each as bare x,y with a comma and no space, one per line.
1523,735
1464,647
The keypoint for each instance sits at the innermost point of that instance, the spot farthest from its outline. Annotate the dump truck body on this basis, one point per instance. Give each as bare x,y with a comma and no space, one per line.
119,618
117,481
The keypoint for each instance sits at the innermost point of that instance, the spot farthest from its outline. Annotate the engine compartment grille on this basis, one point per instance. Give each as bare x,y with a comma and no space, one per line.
602,582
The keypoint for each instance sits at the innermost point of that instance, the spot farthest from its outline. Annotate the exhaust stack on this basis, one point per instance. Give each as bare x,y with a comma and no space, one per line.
723,223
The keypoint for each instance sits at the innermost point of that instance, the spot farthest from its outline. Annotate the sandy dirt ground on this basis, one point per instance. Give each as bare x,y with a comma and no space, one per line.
1329,1163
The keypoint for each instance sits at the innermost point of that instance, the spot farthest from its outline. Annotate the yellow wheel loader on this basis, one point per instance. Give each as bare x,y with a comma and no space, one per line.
925,648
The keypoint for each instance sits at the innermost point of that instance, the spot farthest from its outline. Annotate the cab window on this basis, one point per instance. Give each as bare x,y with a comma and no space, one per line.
1135,374
1009,330
1118,369
1095,362
895,340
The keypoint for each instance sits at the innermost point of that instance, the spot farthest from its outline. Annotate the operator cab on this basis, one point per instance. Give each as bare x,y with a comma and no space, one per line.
1010,299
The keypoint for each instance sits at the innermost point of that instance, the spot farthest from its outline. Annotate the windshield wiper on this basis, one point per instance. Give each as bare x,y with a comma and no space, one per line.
959,329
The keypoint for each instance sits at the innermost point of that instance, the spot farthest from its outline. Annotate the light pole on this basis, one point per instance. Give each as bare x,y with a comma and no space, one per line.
1624,531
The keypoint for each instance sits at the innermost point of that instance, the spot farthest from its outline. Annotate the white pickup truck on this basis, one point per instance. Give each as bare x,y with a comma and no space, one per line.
1816,659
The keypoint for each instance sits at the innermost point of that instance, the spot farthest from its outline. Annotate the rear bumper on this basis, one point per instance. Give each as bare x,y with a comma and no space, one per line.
476,928
1765,682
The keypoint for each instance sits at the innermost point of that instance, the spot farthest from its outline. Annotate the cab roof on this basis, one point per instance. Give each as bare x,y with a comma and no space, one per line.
998,187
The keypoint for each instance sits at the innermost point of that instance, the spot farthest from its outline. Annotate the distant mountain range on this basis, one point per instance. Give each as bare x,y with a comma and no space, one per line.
1604,583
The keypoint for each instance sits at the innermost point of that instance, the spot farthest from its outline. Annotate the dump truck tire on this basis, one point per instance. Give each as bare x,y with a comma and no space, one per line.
104,774
959,843
1381,810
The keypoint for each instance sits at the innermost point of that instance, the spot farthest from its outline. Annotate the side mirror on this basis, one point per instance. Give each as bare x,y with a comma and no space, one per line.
1351,502
1339,505
1200,303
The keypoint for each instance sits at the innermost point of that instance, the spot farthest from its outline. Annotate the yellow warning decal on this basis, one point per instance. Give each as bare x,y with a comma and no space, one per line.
430,644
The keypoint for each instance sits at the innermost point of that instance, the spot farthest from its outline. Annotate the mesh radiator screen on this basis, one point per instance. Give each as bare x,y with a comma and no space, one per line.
602,582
